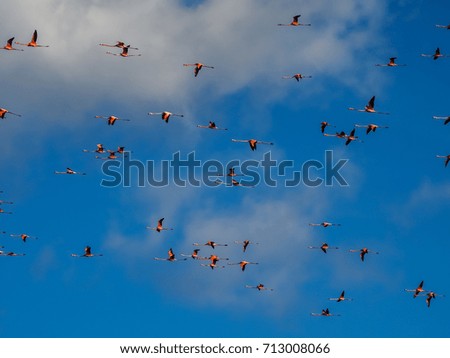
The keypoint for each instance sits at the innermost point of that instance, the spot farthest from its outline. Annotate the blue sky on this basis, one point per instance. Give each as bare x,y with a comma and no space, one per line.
396,202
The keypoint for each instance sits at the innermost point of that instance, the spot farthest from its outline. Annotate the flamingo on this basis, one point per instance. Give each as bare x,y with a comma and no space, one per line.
363,252
324,247
436,54
297,76
443,27
159,227
214,259
232,173
391,63
121,150
260,287
124,52
171,257
430,296
33,42
198,66
100,149
119,44
70,172
165,115
251,142
243,264
245,244
10,253
325,312
351,137
446,119
447,158
295,22
209,243
370,127
24,237
87,253
112,155
212,265
324,224
418,290
323,125
212,125
233,183
4,212
195,255
3,112
369,108
112,119
338,135
341,298
9,46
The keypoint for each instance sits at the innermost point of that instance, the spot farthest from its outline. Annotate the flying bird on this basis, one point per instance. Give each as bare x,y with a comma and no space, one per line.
10,253
100,149
369,108
119,44
197,67
446,119
195,255
351,137
70,172
165,115
295,22
232,173
5,202
325,312
234,182
260,287
159,227
430,296
443,27
324,247
171,257
4,111
33,42
24,237
9,46
209,243
212,265
214,259
245,244
251,142
391,63
87,253
447,158
364,251
341,298
418,290
297,76
323,125
111,156
243,264
436,54
212,125
370,127
337,134
112,119
324,224
4,212
124,52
